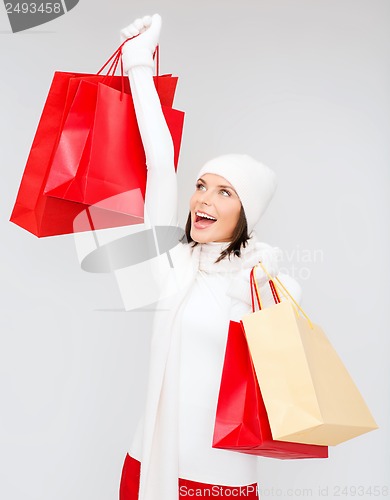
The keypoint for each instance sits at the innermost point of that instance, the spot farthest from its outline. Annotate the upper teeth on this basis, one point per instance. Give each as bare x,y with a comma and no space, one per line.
201,214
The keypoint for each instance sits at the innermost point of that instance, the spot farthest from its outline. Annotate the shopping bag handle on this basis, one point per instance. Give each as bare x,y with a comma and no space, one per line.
283,288
253,283
273,286
117,56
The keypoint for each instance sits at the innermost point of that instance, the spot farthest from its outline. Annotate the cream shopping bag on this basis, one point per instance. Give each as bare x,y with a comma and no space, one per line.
308,393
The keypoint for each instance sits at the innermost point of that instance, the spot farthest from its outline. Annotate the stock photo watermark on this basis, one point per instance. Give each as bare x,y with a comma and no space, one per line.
152,256
334,491
26,15
298,262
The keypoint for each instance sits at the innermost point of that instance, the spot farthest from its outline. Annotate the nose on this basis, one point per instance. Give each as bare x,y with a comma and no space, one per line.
205,197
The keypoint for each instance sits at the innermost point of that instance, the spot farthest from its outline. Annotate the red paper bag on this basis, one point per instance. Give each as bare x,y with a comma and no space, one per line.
100,131
241,420
43,215
48,216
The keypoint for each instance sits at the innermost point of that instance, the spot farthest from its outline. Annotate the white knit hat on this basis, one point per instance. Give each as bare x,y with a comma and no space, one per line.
254,182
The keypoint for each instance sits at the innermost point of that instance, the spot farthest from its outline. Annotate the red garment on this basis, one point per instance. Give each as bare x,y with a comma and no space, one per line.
129,486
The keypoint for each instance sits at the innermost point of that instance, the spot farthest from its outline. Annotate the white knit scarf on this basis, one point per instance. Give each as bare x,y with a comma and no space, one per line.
159,463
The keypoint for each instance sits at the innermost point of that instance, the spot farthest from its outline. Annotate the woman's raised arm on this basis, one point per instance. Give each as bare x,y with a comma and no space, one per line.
161,186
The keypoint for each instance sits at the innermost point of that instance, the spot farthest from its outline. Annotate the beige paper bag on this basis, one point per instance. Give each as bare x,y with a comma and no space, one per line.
308,393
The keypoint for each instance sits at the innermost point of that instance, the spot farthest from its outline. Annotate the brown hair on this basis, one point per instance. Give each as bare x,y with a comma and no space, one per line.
240,236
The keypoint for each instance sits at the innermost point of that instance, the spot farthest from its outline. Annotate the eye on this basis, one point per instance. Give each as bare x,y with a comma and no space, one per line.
199,185
225,191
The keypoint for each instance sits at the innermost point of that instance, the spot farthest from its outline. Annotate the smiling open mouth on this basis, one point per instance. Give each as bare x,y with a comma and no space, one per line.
203,220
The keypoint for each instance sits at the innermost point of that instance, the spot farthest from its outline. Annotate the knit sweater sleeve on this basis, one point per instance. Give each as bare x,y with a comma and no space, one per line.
160,206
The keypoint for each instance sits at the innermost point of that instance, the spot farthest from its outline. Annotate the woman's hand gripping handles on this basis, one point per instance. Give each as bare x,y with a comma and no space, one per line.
240,288
271,257
144,34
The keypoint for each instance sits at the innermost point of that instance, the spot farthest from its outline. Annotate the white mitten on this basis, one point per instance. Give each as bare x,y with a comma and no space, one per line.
139,51
270,258
240,285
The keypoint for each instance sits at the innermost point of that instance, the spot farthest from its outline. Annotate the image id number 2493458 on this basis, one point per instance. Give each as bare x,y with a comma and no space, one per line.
34,8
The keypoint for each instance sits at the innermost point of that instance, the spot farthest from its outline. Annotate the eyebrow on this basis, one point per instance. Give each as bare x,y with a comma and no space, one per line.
220,186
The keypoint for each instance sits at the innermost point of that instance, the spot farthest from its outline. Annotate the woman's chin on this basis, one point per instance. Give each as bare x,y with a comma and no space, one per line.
201,236
200,239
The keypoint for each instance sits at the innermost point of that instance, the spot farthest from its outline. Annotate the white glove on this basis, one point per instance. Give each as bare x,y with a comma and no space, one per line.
139,51
240,287
270,258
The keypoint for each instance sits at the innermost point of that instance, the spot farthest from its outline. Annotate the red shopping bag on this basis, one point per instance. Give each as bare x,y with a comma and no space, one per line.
241,420
100,131
44,215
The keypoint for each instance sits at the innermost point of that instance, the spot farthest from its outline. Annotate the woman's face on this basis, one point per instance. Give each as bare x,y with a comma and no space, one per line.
214,196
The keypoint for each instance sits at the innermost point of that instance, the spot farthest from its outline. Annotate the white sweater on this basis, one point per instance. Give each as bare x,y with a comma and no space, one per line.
204,328
174,438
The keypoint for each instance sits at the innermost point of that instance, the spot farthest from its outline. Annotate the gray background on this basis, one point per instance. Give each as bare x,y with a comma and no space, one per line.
301,85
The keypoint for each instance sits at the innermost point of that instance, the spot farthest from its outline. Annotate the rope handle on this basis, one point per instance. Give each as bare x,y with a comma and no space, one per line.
287,292
270,279
254,285
117,55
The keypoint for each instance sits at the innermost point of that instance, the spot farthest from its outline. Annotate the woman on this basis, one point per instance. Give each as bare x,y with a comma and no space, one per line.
172,455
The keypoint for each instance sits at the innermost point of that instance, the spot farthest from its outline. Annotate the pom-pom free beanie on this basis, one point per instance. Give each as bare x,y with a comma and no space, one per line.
254,182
